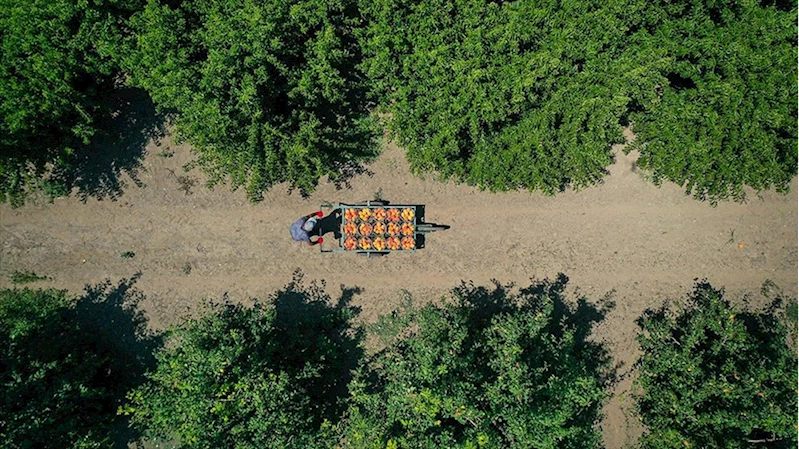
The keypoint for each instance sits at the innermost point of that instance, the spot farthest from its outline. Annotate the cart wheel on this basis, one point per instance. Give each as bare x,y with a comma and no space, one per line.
373,203
426,228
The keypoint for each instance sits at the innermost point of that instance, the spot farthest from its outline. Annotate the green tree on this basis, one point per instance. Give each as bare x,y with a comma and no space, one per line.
266,90
64,367
270,375
488,369
502,95
714,89
714,376
57,58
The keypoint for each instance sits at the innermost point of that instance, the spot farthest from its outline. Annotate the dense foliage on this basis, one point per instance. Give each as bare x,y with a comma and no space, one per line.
714,376
267,376
266,90
56,58
58,387
716,106
488,369
502,95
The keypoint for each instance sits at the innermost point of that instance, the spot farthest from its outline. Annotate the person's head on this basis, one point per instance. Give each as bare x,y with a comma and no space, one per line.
309,224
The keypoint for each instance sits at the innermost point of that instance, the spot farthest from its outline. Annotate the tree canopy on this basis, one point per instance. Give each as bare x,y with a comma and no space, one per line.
485,367
716,106
525,94
265,90
56,59
271,375
64,367
715,376
489,369
502,95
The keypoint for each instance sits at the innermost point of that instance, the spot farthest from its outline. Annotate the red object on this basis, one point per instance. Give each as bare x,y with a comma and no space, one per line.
319,213
320,240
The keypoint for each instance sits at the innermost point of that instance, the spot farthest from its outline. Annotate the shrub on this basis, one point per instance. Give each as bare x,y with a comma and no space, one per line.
714,376
501,95
266,91
488,369
56,58
270,375
715,109
25,277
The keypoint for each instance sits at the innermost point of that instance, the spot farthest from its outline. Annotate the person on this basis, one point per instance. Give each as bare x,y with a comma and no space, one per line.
302,228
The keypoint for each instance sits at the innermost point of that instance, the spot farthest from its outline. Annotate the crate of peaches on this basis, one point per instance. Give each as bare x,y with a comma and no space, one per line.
379,228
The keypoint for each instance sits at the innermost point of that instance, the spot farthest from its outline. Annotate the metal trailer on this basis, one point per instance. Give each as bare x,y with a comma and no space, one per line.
418,227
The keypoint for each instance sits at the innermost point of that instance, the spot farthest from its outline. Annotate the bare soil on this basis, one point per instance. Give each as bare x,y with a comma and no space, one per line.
646,243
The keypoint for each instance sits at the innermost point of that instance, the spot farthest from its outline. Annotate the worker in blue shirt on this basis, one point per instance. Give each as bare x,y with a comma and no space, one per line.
302,228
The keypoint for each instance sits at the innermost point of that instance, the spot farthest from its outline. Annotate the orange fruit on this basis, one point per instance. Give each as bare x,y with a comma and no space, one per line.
365,229
350,244
379,214
365,243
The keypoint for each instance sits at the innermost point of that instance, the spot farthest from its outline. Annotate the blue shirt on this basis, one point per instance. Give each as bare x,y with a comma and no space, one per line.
299,234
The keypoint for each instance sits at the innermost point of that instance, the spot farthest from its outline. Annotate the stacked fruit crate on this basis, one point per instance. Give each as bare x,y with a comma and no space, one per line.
378,228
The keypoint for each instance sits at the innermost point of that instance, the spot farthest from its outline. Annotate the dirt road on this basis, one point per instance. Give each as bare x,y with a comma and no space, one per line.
647,243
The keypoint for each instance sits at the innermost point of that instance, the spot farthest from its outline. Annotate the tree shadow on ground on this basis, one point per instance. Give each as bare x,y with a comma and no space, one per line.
109,315
74,364
129,123
311,326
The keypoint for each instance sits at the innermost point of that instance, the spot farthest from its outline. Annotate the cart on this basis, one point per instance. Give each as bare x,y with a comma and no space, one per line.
409,225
